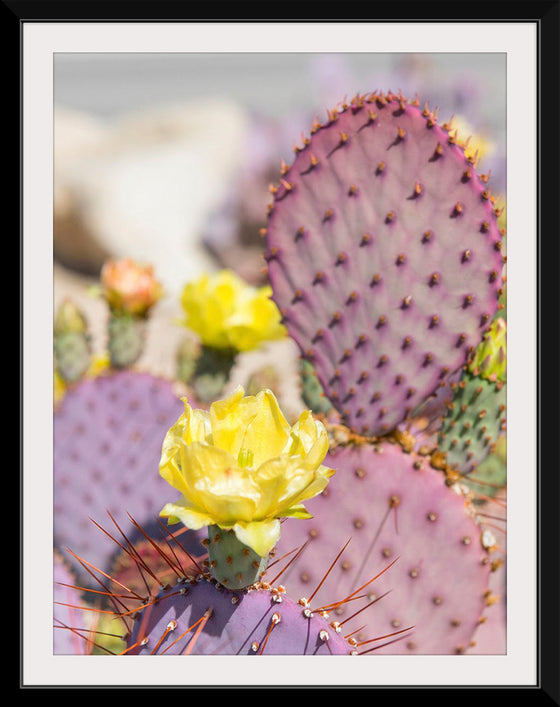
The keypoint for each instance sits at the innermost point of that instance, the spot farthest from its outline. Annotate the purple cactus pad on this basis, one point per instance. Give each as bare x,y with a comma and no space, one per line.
394,507
108,433
383,253
251,622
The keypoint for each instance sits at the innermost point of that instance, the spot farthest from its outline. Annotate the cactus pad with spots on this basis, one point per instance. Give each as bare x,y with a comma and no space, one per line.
393,505
108,433
383,253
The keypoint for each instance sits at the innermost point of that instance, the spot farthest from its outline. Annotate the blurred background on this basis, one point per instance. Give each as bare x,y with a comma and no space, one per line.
167,158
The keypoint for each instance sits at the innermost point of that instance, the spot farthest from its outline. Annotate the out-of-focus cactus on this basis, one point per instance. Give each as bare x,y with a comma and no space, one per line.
108,432
130,290
229,317
72,343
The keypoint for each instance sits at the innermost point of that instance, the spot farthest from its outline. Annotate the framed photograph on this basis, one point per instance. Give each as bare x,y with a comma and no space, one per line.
286,319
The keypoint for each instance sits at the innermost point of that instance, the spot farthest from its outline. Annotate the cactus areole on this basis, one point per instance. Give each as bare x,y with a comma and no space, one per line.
383,253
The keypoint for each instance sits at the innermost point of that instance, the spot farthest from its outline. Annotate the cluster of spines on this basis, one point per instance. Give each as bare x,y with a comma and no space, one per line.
132,608
380,101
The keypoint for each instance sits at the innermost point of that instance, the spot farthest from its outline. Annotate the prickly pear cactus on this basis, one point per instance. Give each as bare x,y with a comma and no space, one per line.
200,618
491,636
476,414
72,343
228,316
240,467
193,613
490,476
130,290
108,433
394,507
186,357
211,372
384,255
126,340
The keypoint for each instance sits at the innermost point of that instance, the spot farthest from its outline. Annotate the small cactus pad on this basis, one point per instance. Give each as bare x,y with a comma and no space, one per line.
72,342
126,339
393,507
233,564
108,433
72,352
202,618
490,476
211,372
311,390
186,357
384,256
474,421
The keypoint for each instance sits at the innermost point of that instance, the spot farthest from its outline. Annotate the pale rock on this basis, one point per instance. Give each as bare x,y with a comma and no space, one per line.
143,185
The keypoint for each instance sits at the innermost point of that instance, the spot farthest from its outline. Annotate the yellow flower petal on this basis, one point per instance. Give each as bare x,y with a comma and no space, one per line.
260,536
309,439
192,426
216,484
193,519
287,481
298,511
255,319
254,422
226,312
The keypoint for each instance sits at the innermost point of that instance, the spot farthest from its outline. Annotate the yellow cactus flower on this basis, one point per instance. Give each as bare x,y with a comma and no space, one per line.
227,313
242,466
130,287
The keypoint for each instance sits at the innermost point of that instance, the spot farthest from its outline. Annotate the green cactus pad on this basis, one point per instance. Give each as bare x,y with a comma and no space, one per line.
186,358
126,339
312,391
490,476
474,421
211,372
72,352
232,563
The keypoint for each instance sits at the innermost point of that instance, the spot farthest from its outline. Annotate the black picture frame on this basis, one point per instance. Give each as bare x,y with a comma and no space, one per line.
545,15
